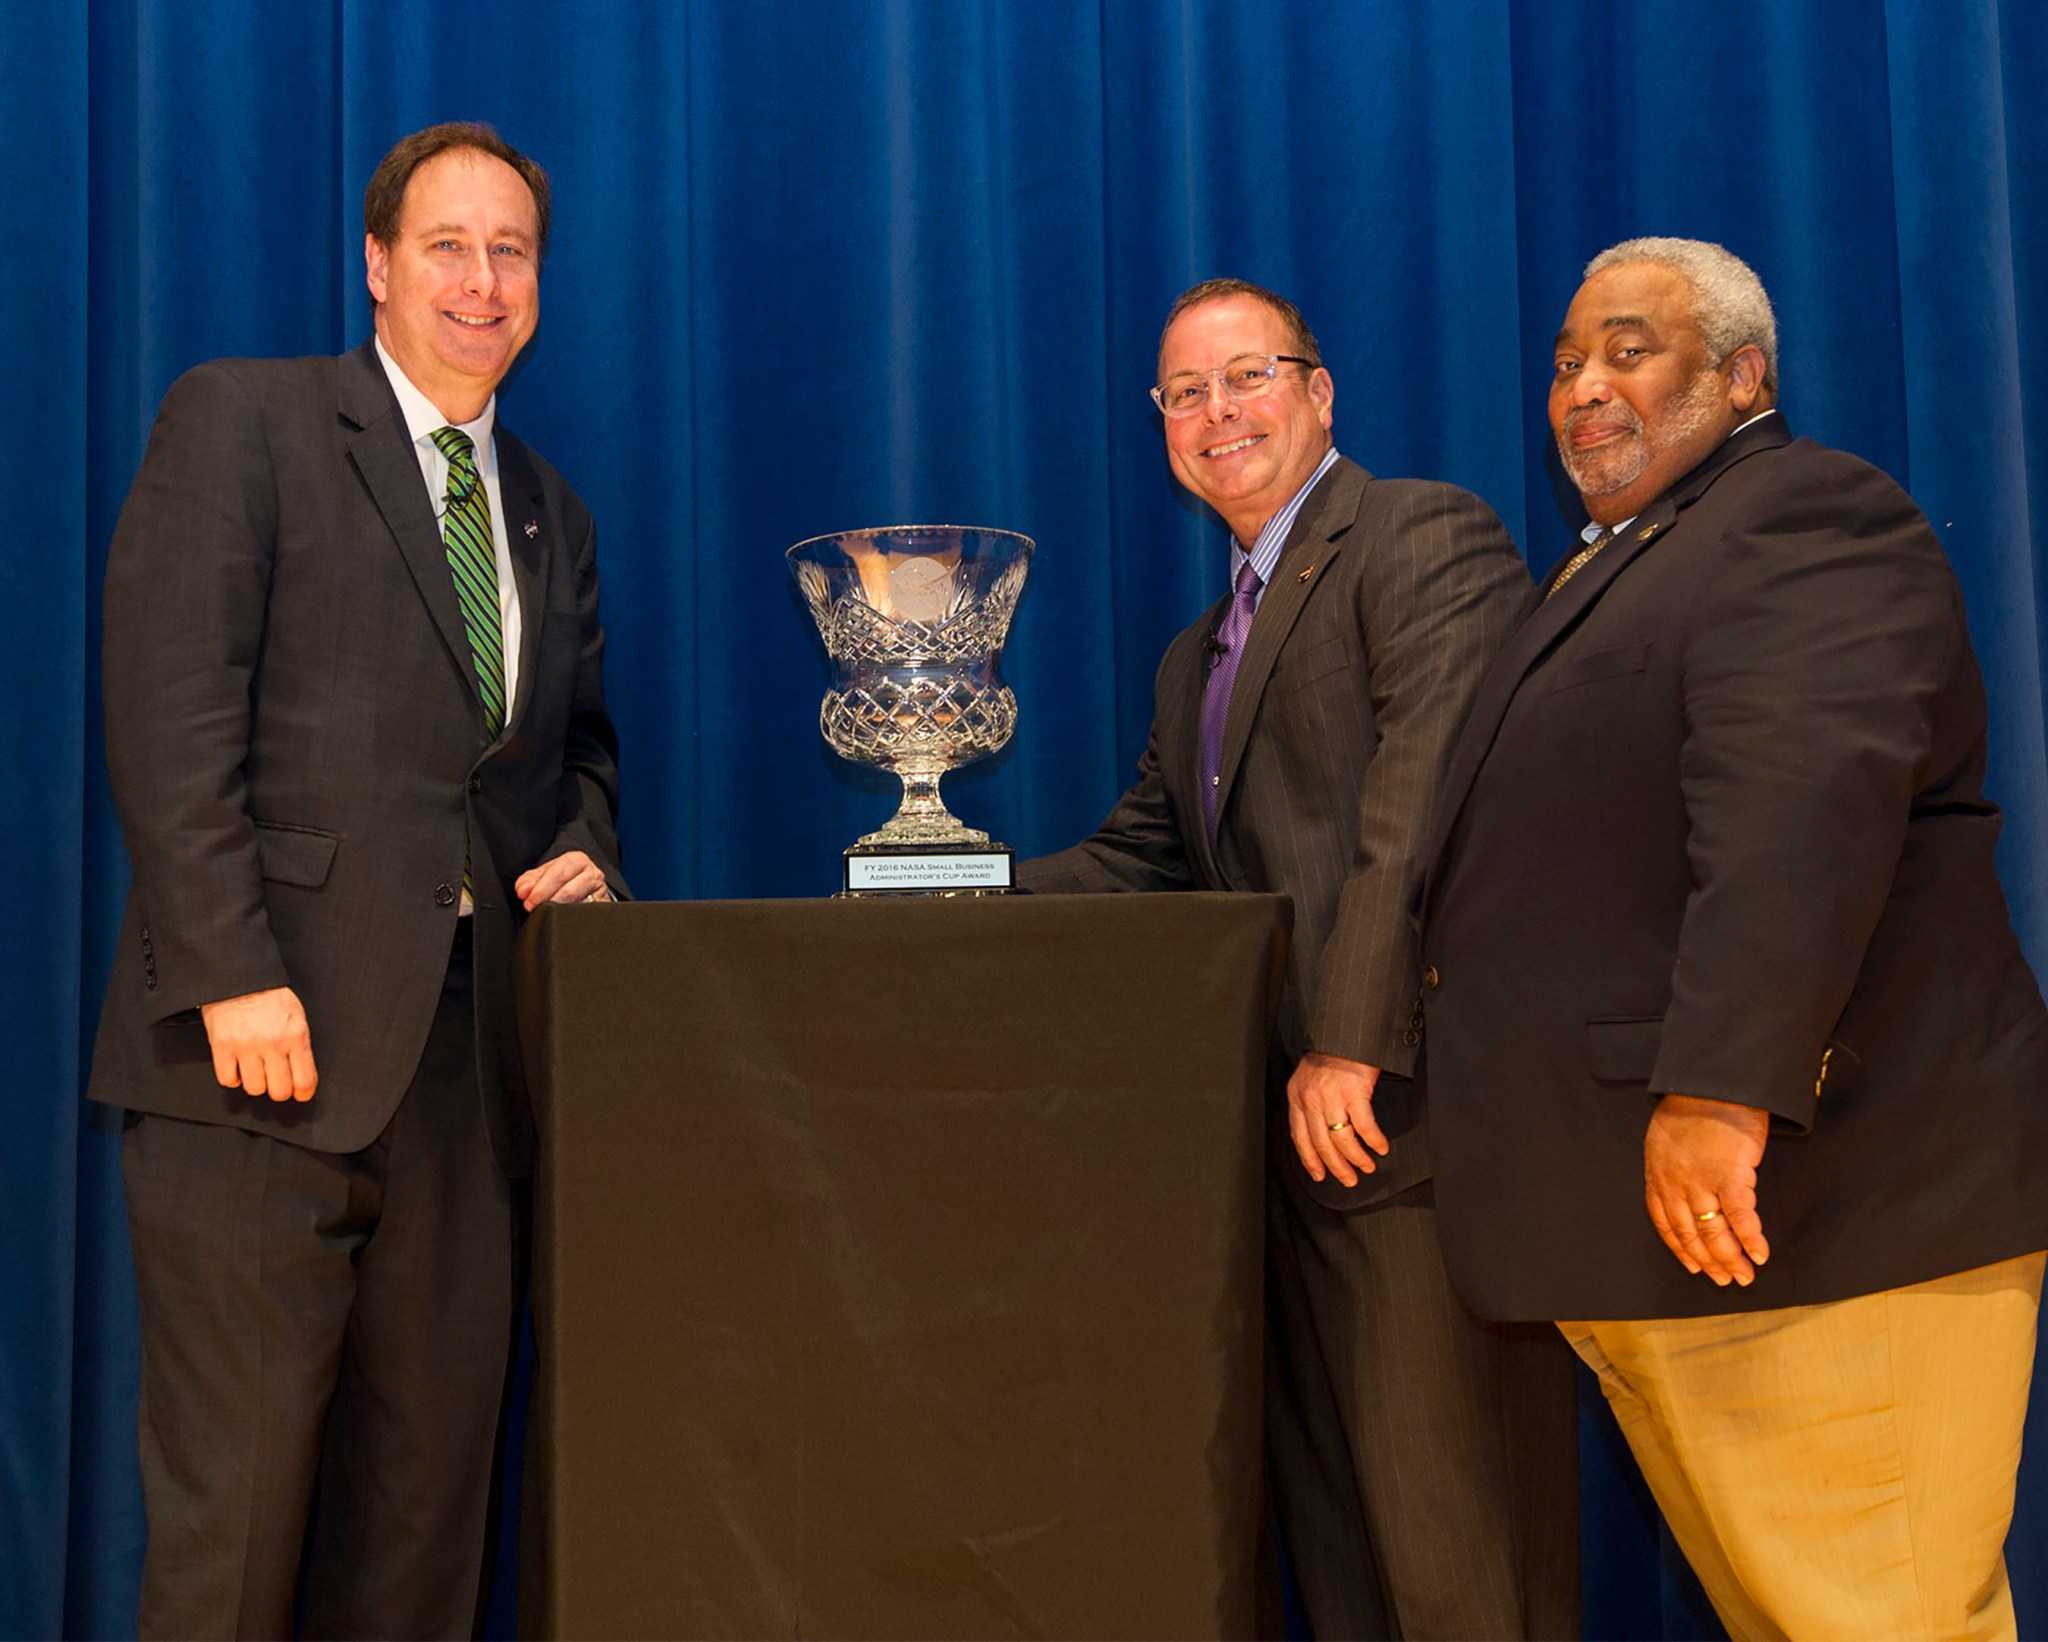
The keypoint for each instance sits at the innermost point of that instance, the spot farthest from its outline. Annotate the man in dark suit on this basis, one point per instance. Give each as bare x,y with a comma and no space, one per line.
1423,1463
356,729
1735,1065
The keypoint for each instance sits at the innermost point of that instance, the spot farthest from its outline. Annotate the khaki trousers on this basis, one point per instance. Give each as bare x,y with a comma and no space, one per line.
1842,1470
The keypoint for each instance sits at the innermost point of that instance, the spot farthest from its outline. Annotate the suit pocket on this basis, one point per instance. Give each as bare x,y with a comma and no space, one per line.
1615,661
294,855
560,641
1624,1050
1313,664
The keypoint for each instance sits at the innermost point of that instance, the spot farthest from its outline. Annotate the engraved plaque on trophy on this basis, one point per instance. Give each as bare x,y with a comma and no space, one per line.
914,617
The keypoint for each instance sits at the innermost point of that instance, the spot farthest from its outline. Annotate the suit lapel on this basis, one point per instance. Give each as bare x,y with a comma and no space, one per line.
390,470
527,535
1550,619
1303,566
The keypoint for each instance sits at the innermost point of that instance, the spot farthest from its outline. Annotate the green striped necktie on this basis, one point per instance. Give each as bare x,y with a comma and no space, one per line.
472,557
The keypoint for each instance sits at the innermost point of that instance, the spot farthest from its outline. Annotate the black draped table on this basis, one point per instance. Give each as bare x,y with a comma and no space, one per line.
897,1266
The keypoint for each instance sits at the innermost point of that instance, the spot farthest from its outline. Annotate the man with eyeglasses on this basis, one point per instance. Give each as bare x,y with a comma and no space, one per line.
1424,1463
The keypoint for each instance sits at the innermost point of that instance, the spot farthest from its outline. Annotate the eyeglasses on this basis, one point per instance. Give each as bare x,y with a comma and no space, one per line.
1245,377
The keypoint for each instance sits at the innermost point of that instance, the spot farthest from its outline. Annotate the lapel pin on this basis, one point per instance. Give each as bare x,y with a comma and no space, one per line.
1646,533
532,529
1304,576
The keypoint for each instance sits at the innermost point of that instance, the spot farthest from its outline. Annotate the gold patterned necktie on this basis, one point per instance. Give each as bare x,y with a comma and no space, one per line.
1578,561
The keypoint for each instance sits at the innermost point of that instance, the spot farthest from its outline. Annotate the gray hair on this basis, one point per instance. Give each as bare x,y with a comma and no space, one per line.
1729,305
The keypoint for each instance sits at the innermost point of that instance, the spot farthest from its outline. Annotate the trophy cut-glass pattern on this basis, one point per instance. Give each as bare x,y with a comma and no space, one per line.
914,618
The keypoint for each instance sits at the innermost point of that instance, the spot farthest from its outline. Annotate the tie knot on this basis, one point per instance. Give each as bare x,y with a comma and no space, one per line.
1249,581
460,450
456,445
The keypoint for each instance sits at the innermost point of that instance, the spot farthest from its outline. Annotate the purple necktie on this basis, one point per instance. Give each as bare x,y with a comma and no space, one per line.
1229,650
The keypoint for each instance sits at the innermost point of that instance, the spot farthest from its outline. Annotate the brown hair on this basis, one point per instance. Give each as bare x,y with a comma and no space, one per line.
1214,290
385,196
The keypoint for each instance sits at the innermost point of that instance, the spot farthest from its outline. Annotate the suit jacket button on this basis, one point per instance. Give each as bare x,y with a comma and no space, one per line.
1411,1037
1430,978
444,895
476,783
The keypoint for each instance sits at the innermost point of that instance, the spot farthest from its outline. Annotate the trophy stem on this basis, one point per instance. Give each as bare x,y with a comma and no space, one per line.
922,817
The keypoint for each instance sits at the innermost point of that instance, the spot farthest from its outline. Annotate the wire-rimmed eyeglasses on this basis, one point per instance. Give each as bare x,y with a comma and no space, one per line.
1245,377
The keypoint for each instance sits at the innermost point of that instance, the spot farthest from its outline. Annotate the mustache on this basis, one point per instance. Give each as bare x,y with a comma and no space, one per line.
1618,412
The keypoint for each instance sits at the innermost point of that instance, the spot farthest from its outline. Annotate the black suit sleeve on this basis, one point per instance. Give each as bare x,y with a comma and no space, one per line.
1810,680
1137,847
188,581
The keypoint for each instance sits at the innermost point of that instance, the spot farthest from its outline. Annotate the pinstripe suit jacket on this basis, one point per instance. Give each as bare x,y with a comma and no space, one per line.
1388,602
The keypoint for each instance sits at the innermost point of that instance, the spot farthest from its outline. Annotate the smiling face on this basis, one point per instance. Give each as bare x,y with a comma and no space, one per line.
1245,458
1635,401
458,288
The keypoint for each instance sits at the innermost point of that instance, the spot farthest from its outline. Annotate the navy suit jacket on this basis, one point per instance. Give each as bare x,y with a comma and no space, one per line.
1717,826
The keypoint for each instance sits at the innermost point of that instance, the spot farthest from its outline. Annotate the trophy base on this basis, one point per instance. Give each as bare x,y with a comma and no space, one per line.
930,869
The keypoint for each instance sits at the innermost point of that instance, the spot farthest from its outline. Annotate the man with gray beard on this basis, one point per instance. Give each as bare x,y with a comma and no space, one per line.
1736,1070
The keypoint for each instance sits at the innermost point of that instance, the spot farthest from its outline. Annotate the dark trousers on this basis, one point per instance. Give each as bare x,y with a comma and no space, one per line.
325,1338
1425,1463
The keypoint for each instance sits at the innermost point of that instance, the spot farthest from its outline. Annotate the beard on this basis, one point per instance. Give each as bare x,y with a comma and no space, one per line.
1620,463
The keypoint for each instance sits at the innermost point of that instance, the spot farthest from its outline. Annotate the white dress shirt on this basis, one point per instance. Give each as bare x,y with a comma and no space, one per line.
421,422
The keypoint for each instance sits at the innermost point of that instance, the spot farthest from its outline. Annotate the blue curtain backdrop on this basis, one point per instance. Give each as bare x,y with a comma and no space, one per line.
827,263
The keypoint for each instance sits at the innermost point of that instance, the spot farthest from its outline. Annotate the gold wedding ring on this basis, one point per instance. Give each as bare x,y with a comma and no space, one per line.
1711,1214
1338,1128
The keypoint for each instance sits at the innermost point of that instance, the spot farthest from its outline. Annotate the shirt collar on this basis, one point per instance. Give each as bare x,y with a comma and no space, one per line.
422,419
1273,534
1592,531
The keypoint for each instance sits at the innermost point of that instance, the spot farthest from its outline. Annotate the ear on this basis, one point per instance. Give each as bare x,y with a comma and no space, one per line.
1322,393
1745,368
376,265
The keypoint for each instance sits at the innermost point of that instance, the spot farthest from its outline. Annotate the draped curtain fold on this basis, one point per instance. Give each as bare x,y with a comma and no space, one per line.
821,265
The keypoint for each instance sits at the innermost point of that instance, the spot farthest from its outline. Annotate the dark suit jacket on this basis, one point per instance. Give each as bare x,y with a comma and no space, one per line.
1717,826
298,750
1387,603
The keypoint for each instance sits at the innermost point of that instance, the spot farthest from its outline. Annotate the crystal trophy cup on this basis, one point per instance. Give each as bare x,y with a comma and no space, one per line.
913,617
